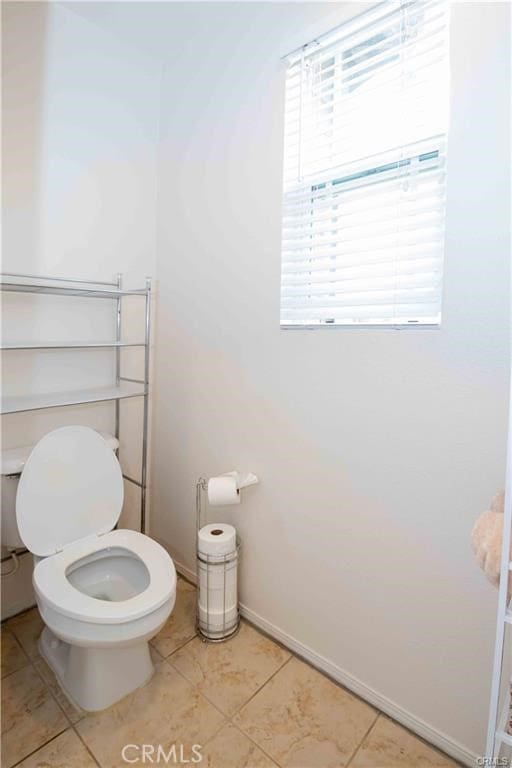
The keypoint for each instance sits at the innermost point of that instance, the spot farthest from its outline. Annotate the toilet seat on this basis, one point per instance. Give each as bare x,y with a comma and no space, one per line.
71,488
51,583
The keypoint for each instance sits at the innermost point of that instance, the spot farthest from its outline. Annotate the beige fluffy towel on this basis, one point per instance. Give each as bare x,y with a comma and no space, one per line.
486,539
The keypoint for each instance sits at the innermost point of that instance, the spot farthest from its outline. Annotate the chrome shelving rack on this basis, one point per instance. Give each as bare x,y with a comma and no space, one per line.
123,388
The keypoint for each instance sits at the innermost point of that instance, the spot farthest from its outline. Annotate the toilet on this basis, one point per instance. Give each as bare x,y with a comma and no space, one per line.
102,593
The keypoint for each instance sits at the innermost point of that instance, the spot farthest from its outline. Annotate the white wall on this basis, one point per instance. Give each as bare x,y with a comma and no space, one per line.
80,123
376,449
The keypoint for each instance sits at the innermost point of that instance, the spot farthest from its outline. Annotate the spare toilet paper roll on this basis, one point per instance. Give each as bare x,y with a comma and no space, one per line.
223,491
216,539
218,588
217,621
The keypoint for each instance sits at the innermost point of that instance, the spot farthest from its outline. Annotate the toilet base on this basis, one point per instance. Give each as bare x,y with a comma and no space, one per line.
95,678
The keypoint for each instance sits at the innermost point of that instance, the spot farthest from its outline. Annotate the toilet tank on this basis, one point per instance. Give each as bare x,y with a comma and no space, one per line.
12,463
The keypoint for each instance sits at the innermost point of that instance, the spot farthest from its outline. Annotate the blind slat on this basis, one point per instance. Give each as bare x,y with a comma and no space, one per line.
365,268
328,225
325,285
376,313
342,289
354,198
363,298
334,217
346,258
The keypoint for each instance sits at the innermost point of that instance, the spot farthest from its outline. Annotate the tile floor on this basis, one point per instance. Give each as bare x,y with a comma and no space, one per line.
249,703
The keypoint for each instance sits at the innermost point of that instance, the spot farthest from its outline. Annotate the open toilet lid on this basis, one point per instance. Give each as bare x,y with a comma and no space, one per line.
71,487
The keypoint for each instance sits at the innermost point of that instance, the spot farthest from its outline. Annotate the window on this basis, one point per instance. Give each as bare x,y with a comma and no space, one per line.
366,119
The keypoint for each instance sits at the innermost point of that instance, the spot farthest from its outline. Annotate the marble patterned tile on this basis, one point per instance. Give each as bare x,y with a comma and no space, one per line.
30,715
72,712
231,749
27,628
301,718
180,627
66,751
13,655
156,657
388,745
228,674
167,711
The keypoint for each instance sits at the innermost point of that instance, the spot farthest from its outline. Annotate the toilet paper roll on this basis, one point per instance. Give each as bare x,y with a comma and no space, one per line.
218,596
216,621
223,491
216,539
218,583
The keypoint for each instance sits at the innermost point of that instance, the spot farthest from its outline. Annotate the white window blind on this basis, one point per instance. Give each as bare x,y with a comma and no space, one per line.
366,118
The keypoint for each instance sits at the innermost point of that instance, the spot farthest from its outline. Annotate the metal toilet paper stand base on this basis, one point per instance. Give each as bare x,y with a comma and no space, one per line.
221,563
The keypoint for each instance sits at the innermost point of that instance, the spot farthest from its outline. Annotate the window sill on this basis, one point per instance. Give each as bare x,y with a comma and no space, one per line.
363,327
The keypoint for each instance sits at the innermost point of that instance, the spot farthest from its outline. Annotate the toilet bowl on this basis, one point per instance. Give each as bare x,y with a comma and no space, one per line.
102,593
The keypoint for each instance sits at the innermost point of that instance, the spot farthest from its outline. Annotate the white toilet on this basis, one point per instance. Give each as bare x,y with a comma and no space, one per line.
102,593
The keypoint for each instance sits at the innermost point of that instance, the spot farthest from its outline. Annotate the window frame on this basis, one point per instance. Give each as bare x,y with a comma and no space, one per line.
353,324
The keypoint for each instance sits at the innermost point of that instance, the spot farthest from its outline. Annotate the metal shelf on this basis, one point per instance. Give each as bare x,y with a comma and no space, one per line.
70,345
59,290
38,402
122,388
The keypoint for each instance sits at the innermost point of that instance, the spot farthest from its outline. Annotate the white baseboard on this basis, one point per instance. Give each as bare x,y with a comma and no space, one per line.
183,570
420,727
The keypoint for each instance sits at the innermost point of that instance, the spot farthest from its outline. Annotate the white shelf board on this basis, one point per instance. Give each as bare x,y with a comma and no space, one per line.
75,397
70,344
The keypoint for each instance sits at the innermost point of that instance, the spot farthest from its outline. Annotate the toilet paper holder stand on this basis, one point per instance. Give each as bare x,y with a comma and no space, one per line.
201,485
220,564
